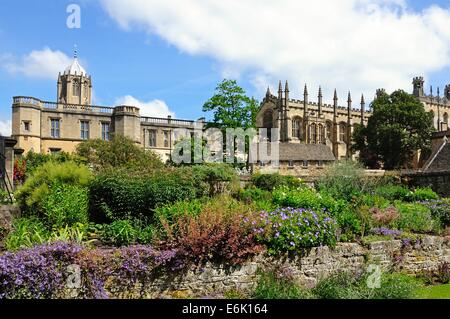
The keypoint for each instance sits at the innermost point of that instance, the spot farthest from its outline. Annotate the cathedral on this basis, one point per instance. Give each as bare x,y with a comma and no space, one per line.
311,134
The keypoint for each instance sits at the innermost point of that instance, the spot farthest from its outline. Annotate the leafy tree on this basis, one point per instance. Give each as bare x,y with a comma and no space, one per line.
398,127
231,106
119,152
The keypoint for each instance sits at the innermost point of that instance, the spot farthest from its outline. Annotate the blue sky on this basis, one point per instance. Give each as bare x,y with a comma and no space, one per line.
168,56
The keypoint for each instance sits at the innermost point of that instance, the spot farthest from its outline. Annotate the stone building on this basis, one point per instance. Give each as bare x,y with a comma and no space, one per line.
46,127
311,134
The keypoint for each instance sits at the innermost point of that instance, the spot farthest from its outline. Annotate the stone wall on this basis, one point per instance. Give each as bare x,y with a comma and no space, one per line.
7,213
320,262
438,181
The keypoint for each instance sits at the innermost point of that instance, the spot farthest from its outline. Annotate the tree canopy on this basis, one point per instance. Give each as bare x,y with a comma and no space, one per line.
231,106
398,127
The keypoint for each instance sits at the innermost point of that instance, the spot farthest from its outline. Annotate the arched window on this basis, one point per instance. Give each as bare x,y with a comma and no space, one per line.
76,88
321,134
297,127
312,133
445,118
268,123
342,132
329,131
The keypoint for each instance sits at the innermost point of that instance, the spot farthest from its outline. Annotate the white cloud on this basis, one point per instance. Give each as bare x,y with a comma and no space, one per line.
44,63
5,128
349,44
154,108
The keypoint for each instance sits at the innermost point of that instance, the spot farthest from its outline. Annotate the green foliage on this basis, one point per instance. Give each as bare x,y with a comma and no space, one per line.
397,128
415,217
345,285
35,160
253,194
422,194
346,180
271,286
269,182
4,197
118,195
291,230
66,205
394,192
120,233
231,107
28,232
32,194
171,213
120,152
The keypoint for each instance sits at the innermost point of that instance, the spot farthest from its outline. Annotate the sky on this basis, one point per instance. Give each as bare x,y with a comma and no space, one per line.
167,56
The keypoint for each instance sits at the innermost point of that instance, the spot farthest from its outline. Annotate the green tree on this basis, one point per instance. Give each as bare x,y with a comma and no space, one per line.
231,106
398,127
119,152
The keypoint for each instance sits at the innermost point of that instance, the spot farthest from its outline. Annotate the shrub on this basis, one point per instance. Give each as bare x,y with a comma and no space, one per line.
342,285
26,233
269,182
394,192
32,161
271,286
373,201
345,285
119,152
384,217
33,192
220,178
66,205
289,229
117,196
415,217
120,233
346,181
440,209
422,194
348,221
253,194
5,198
217,233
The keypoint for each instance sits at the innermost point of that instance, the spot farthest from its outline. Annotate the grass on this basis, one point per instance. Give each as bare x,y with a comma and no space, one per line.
434,292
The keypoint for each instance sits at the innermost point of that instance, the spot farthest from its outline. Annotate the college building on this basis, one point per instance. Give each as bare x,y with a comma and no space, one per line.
311,134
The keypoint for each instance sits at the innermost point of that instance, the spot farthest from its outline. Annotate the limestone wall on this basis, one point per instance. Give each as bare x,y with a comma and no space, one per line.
320,262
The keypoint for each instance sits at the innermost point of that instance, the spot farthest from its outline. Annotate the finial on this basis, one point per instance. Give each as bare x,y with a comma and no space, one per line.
320,91
305,92
438,93
335,95
431,90
286,88
362,99
280,87
75,51
268,91
349,97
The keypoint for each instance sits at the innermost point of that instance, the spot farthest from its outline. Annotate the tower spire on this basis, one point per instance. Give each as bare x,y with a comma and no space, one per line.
305,101
363,106
75,51
320,96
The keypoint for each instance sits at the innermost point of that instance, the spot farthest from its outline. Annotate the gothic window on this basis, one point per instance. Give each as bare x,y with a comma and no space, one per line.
342,131
297,127
76,88
268,122
329,130
312,133
321,133
445,119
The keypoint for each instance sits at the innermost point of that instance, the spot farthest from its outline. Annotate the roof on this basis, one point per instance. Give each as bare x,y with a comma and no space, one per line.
439,160
75,68
303,152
